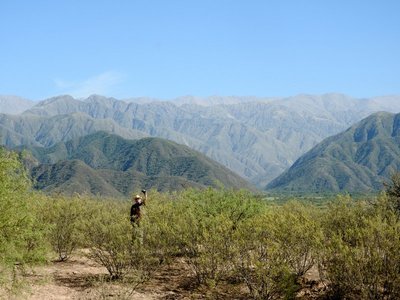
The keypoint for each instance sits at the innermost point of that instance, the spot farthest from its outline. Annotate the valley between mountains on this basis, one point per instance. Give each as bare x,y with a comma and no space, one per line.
258,139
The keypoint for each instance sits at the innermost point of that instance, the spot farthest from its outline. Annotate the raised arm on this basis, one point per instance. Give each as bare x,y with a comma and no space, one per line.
145,196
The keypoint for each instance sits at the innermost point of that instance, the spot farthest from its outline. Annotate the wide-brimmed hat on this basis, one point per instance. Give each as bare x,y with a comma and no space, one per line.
137,197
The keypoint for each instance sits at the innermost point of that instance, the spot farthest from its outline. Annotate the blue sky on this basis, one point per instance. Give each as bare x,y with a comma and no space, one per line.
166,49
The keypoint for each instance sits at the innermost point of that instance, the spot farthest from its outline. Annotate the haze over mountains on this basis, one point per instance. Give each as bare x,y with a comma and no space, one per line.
258,138
14,105
358,160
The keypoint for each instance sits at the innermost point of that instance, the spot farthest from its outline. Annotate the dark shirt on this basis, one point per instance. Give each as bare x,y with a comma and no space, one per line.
135,211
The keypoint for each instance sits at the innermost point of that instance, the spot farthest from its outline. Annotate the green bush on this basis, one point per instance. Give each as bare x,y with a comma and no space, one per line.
20,231
22,239
222,235
211,257
108,235
392,190
113,242
204,226
65,217
296,229
158,224
259,261
361,257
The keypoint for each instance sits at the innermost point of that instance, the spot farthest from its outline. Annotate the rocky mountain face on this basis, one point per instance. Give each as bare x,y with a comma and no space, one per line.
258,138
109,165
357,160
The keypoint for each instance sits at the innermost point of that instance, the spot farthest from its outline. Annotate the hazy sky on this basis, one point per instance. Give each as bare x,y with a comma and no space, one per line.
167,48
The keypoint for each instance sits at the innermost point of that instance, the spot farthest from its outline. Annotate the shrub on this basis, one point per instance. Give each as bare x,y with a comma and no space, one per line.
20,231
361,258
204,226
259,261
108,235
64,217
296,229
392,189
211,258
115,244
158,223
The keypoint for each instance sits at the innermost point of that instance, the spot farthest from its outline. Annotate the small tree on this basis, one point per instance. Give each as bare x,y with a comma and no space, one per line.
108,235
114,244
204,226
260,263
21,233
392,189
18,239
297,231
65,217
361,257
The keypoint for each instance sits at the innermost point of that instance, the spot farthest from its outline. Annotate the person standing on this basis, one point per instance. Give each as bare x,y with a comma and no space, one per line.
138,201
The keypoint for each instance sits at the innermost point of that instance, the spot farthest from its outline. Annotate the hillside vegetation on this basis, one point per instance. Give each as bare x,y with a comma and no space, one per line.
223,237
257,138
108,165
357,160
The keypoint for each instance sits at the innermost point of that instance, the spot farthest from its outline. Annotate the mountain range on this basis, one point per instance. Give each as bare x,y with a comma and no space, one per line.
357,160
108,165
258,138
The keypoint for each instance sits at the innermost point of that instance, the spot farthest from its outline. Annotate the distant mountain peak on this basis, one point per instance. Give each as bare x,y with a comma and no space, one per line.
255,137
96,97
56,99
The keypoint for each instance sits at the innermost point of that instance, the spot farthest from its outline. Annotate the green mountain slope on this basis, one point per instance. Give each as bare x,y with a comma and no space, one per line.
257,138
357,160
34,130
72,177
107,164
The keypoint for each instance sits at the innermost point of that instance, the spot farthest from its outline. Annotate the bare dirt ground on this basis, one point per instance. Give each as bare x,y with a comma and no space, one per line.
81,278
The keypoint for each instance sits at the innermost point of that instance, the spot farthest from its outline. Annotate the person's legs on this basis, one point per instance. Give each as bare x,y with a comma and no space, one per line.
137,233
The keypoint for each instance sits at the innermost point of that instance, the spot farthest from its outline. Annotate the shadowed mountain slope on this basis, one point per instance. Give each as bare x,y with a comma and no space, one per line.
107,164
257,138
357,160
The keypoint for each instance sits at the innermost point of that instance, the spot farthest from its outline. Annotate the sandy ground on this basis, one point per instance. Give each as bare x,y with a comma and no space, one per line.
81,278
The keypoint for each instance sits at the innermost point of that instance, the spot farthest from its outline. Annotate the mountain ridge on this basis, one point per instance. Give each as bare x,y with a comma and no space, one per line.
257,138
359,159
108,163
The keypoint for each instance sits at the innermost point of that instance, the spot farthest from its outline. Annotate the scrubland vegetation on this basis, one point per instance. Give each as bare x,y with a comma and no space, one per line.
225,237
